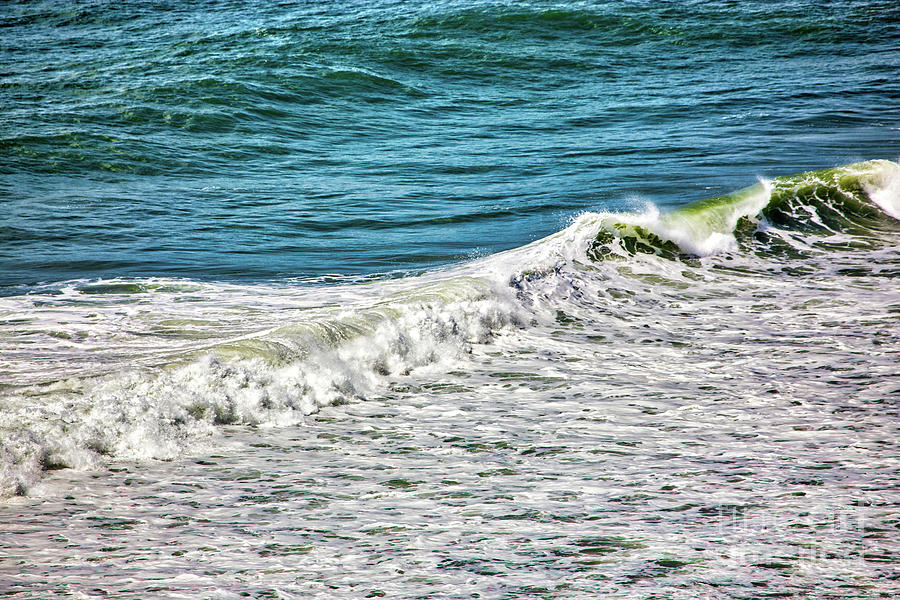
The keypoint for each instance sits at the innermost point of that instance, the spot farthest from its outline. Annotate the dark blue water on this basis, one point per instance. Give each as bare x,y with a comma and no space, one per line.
263,142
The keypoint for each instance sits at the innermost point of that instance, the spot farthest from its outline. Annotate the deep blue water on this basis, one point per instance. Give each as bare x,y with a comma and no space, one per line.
268,142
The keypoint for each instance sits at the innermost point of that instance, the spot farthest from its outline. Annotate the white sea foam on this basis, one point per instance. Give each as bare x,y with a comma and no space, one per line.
151,368
885,190
298,362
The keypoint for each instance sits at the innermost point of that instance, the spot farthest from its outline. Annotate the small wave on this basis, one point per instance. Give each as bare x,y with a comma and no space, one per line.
151,368
857,197
364,80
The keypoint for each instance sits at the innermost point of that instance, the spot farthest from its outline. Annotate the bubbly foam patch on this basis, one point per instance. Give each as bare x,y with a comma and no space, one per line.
275,378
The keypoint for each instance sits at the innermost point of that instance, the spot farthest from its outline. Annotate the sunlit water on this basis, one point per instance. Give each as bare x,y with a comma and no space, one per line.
271,328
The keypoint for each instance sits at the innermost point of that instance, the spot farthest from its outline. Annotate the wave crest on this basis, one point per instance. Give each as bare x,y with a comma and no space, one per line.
861,199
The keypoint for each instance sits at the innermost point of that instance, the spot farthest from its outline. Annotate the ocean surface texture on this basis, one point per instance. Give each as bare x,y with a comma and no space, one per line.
507,300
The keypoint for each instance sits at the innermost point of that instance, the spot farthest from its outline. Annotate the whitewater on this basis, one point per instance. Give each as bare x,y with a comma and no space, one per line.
703,395
457,299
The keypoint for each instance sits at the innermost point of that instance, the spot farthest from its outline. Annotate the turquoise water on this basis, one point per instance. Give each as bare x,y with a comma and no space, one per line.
449,300
262,142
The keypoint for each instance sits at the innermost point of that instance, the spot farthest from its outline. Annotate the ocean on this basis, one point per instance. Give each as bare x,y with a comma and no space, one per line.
449,299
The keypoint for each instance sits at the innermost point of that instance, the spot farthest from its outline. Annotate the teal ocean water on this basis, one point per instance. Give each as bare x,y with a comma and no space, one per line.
449,299
262,142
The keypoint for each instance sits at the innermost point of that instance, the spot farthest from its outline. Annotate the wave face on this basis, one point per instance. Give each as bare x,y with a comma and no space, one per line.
858,200
143,369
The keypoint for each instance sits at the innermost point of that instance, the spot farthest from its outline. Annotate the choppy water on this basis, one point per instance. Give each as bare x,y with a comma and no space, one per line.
388,300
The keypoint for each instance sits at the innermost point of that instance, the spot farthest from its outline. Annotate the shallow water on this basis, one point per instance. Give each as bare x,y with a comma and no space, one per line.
539,476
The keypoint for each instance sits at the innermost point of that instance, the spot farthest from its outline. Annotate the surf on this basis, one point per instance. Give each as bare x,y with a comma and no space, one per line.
143,369
859,198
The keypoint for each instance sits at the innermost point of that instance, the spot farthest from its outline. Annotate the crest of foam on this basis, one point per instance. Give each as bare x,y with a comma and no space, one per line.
704,231
885,190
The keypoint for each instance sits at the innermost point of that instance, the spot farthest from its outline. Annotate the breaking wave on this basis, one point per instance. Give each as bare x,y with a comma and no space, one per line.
150,369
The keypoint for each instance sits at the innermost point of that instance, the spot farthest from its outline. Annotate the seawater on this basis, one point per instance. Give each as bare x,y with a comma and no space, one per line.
449,300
